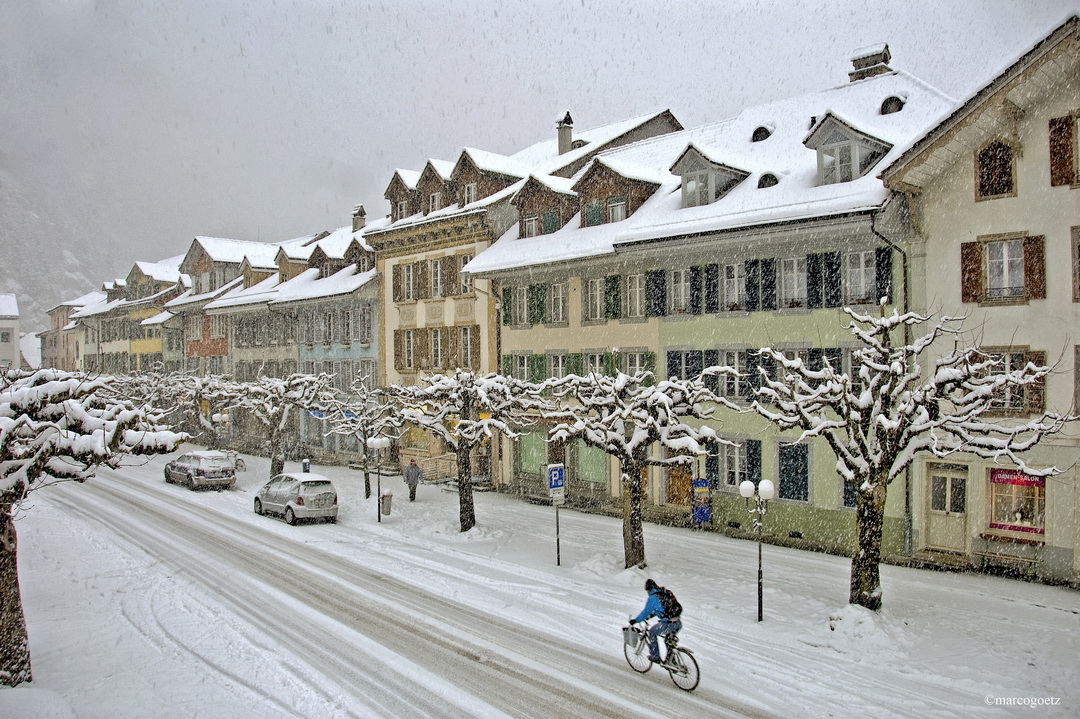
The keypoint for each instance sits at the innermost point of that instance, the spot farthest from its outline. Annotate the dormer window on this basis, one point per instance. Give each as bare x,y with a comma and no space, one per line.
767,180
695,189
402,209
844,154
892,104
470,194
704,180
530,226
435,201
616,208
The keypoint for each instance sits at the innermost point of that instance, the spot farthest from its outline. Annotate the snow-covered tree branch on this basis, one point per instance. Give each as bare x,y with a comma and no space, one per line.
888,410
363,415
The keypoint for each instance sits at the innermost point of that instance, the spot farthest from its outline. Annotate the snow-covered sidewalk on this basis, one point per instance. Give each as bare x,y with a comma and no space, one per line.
945,645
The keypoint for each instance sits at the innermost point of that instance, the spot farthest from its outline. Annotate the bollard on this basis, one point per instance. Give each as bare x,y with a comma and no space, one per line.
385,502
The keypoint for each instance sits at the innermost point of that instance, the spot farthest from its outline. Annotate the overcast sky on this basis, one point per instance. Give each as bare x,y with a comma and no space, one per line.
269,120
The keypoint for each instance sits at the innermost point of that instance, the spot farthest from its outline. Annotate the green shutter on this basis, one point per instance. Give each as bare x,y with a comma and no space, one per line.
612,297
575,363
793,472
594,213
648,363
610,363
507,365
753,460
550,222
537,368
537,304
507,308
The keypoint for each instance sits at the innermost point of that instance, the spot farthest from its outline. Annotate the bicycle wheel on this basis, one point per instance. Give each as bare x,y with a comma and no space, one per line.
683,669
638,657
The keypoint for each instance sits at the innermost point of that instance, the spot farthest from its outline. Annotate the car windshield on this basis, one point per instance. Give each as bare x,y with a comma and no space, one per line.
316,486
216,462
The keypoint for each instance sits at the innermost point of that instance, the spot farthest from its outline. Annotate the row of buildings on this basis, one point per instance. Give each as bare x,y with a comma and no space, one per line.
645,245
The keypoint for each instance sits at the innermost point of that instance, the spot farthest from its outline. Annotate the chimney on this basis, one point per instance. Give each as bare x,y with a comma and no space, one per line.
359,218
565,126
870,61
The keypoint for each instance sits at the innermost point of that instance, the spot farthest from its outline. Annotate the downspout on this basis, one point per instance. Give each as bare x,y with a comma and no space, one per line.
905,308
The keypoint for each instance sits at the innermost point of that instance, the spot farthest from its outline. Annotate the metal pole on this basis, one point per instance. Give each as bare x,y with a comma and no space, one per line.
558,549
759,611
378,493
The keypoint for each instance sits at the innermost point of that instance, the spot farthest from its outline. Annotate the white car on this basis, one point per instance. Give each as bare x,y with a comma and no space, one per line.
202,469
296,496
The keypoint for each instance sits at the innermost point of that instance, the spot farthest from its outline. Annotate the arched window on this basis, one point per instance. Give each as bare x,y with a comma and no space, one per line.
892,104
995,170
760,133
767,180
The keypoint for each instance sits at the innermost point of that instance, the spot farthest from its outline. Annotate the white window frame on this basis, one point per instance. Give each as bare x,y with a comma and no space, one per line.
466,281
861,278
1009,398
594,296
519,309
402,209
616,208
409,280
733,292
792,283
680,290
520,368
530,226
832,168
466,347
732,465
437,359
635,296
699,194
367,372
633,362
409,361
1005,259
435,273
594,363
730,386
470,193
366,324
560,292
557,365
434,201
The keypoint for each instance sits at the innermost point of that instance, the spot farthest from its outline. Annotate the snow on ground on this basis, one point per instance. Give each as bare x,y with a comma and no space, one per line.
144,599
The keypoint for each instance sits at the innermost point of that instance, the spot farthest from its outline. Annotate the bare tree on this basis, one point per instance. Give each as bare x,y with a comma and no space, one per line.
463,409
57,426
362,415
879,418
627,416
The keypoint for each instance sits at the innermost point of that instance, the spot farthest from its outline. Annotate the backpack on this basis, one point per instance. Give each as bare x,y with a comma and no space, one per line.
671,606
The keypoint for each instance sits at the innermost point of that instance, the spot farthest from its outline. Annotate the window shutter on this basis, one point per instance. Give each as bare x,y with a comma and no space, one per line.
1035,267
831,279
814,297
537,307
474,343
695,290
712,467
550,221
399,349
749,361
970,272
399,283
648,364
575,363
672,364
422,348
712,289
712,359
507,306
883,274
752,273
536,368
753,460
794,478
423,280
612,297
594,213
451,280
507,365
1035,393
610,363
693,364
815,359
1062,144
656,292
768,284
452,352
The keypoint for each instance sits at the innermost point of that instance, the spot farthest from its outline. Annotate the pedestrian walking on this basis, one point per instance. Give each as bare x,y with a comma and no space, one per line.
413,475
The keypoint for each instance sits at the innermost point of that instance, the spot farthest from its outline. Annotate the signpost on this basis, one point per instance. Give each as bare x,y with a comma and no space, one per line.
556,476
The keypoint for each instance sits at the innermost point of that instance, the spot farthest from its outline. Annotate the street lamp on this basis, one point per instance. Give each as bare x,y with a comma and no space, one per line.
377,443
765,492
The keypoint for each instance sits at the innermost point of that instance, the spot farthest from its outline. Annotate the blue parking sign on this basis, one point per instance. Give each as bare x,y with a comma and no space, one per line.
556,476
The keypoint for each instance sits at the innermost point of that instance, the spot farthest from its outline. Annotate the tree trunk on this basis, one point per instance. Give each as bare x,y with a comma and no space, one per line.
633,536
466,509
869,522
14,641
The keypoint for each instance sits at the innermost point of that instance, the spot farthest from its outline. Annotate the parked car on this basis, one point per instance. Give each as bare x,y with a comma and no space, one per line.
204,468
297,496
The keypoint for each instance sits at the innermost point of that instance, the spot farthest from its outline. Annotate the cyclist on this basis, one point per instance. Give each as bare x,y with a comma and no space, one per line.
665,626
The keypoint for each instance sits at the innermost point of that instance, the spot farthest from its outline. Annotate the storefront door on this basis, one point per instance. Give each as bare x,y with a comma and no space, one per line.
679,487
946,518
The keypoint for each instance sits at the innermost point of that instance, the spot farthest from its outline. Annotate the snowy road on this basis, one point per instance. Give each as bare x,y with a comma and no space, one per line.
346,626
146,599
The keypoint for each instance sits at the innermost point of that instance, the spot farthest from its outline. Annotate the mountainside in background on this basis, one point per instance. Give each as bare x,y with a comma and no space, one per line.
38,227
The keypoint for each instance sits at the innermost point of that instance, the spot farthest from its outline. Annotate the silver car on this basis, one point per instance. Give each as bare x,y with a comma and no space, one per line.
205,468
302,495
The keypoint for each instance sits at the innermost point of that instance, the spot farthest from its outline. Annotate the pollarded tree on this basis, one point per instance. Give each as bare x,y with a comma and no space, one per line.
463,409
362,415
879,418
273,402
57,426
627,416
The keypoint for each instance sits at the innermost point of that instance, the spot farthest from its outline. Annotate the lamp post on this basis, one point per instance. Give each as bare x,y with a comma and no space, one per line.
762,493
377,443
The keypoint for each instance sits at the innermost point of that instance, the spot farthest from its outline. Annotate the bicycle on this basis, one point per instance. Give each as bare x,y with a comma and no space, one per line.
679,661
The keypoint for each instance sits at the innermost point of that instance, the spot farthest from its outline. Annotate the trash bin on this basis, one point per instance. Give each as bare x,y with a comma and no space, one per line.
305,465
385,501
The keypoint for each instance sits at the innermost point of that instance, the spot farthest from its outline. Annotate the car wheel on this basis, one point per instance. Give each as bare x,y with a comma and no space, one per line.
191,482
258,507
289,516
168,480
331,520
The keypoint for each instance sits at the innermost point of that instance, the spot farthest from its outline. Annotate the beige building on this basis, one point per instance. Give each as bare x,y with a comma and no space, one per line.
10,356
994,195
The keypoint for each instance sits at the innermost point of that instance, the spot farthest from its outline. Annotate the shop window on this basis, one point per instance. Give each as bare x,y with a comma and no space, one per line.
1017,501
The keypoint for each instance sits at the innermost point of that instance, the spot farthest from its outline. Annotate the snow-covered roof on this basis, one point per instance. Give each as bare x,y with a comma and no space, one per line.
239,296
9,306
30,349
445,168
562,185
104,307
408,177
160,271
494,162
159,319
92,297
796,196
187,298
221,249
308,286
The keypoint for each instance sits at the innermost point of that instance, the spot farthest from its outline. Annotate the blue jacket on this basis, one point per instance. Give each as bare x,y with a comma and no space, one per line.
653,608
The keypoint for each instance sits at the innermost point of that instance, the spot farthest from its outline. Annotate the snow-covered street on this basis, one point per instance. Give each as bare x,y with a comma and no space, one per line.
146,599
